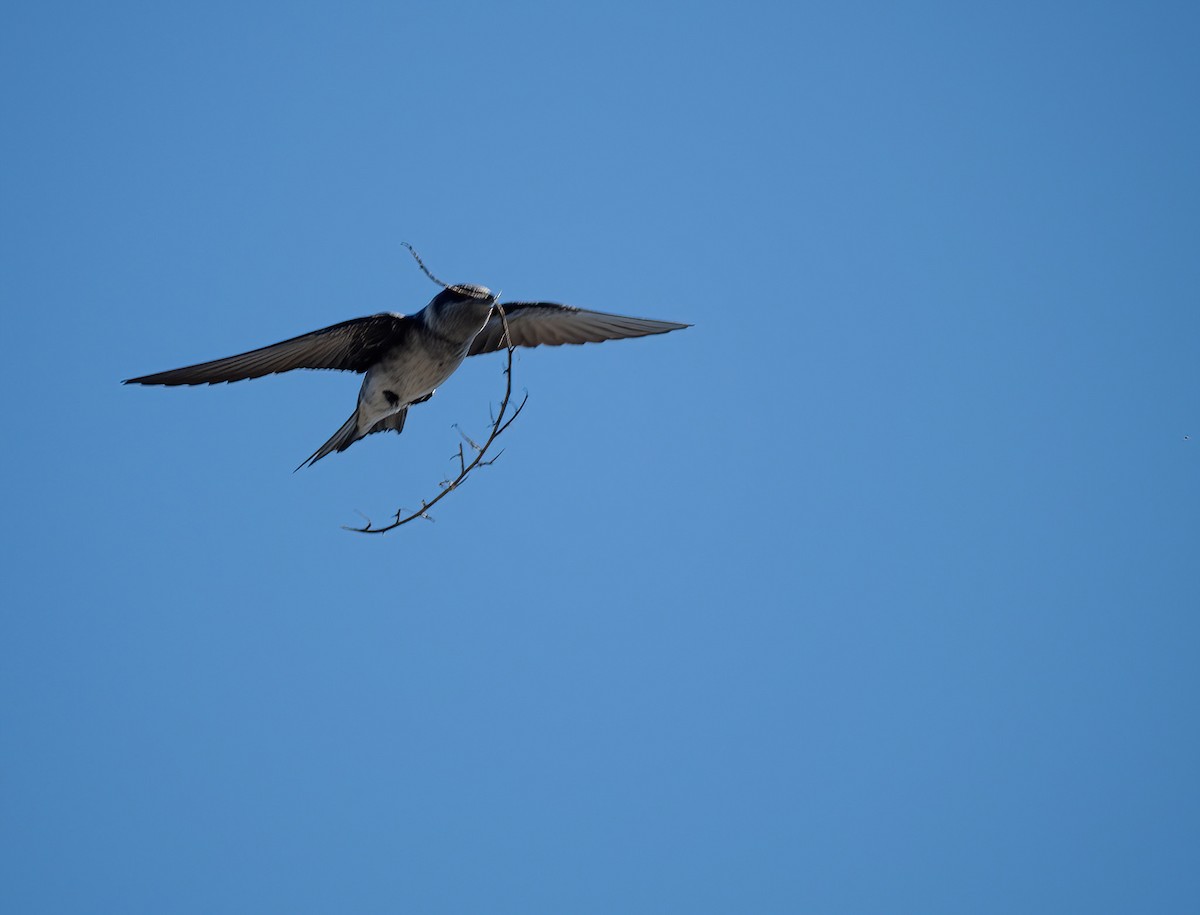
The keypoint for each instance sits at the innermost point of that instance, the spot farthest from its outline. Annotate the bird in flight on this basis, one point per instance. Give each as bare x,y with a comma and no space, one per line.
406,357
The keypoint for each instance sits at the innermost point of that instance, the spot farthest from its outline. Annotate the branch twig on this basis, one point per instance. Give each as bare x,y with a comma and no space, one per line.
501,422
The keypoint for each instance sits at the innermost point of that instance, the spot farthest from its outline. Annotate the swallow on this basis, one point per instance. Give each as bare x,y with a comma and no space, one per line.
405,358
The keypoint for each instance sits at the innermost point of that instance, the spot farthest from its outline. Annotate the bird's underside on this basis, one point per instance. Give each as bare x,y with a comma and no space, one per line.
404,357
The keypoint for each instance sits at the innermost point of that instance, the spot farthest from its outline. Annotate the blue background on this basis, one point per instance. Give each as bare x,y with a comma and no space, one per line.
874,591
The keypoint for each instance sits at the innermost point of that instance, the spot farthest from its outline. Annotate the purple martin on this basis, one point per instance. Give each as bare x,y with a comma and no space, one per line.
406,357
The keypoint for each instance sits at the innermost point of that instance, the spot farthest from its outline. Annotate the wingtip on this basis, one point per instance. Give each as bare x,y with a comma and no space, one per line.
668,327
141,379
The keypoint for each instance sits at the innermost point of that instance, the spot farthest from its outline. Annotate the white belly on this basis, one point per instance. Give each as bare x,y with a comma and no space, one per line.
402,379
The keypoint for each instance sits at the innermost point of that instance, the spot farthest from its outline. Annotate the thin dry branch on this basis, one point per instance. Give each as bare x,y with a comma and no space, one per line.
501,422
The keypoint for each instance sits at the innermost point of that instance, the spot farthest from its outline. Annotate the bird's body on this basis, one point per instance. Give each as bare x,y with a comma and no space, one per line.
406,357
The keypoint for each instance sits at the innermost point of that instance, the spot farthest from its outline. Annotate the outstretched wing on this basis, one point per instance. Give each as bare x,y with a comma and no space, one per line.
352,346
548,324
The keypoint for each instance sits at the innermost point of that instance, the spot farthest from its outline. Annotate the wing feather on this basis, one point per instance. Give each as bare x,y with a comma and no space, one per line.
352,346
550,324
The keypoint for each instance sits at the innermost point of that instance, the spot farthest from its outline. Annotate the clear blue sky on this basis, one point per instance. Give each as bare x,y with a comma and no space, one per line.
875,591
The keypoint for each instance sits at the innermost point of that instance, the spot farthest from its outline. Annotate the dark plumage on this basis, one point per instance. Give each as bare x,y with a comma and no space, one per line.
406,357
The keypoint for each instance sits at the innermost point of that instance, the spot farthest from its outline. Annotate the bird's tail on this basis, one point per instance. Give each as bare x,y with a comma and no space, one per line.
340,441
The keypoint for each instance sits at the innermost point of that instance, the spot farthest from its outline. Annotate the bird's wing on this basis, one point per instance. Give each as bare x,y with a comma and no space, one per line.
548,324
352,346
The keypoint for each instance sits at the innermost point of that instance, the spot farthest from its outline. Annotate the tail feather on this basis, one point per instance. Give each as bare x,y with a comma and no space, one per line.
340,441
393,423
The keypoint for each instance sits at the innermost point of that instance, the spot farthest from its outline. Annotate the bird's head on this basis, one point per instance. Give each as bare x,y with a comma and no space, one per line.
457,309
464,294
